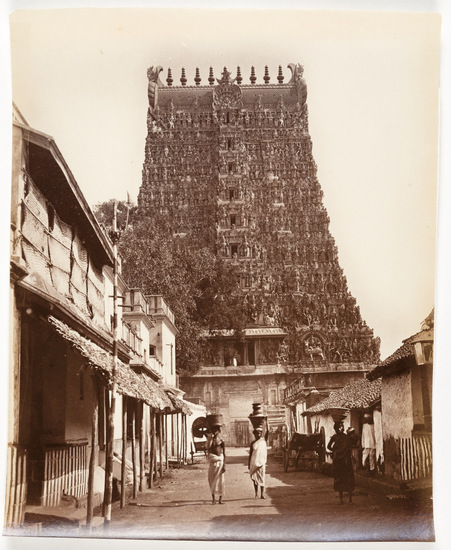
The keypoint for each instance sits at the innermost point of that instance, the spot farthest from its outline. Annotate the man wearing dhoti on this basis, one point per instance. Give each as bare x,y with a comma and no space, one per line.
216,465
369,443
258,454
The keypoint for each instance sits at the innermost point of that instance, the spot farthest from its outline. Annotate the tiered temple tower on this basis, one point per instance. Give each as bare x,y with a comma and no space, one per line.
230,165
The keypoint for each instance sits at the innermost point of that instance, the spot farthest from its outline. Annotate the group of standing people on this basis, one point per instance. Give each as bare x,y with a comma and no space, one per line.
258,454
342,446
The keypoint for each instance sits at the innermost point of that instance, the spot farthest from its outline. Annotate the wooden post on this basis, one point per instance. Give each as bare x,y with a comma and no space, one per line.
186,439
134,448
149,442
114,235
94,437
141,449
108,489
23,473
173,451
14,453
152,447
160,438
124,450
183,438
177,424
166,430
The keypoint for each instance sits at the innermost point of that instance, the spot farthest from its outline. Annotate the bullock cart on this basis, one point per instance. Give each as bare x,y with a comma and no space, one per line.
307,450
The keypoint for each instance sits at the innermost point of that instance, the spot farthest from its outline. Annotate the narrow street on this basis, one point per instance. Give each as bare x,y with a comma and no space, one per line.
299,506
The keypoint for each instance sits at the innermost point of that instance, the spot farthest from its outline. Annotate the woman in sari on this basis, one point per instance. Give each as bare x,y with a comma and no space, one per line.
257,461
216,465
341,446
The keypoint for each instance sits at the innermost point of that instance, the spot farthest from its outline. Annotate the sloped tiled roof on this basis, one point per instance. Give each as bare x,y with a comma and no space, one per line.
358,394
129,383
406,350
400,359
404,356
180,404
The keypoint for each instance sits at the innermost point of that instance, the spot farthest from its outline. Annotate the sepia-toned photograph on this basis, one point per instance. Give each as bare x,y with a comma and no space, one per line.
222,274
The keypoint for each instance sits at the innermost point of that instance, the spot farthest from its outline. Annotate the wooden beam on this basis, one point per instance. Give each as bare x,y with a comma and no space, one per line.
160,438
179,434
152,447
141,448
134,449
94,437
107,496
124,450
166,441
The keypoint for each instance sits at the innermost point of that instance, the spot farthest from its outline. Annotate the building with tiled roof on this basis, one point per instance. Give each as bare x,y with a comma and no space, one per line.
74,359
349,405
406,404
357,395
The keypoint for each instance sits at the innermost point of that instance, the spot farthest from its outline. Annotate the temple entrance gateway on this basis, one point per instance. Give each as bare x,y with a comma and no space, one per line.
229,166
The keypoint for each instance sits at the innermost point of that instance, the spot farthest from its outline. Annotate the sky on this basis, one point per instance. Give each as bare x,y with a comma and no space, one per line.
373,97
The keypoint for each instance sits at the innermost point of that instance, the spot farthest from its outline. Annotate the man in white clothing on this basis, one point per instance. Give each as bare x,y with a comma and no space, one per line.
369,443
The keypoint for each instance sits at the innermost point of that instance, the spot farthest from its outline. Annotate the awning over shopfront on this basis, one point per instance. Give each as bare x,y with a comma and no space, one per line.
128,382
180,404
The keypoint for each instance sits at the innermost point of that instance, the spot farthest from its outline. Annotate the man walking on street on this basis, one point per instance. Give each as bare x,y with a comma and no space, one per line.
257,461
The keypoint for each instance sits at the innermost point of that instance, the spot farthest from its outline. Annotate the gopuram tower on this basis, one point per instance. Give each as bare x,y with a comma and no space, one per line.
230,165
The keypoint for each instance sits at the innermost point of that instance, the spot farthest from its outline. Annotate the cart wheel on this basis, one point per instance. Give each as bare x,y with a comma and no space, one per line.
286,459
199,427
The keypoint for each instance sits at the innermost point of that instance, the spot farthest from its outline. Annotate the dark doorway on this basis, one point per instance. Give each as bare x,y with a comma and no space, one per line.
251,353
242,433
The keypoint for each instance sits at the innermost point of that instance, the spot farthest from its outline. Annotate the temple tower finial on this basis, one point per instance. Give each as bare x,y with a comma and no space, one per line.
183,77
253,78
211,78
197,78
169,79
239,78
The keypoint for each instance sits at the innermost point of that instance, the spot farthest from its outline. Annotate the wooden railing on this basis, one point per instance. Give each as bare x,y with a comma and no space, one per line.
416,456
16,486
293,390
65,472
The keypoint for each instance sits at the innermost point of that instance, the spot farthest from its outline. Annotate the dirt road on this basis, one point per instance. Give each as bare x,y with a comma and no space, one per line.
299,506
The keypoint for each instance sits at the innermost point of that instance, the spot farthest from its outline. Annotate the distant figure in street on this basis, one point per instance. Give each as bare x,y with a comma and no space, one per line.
369,443
216,467
258,454
354,442
341,445
377,421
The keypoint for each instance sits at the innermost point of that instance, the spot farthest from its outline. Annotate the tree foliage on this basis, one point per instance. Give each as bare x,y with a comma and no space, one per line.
104,213
200,289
